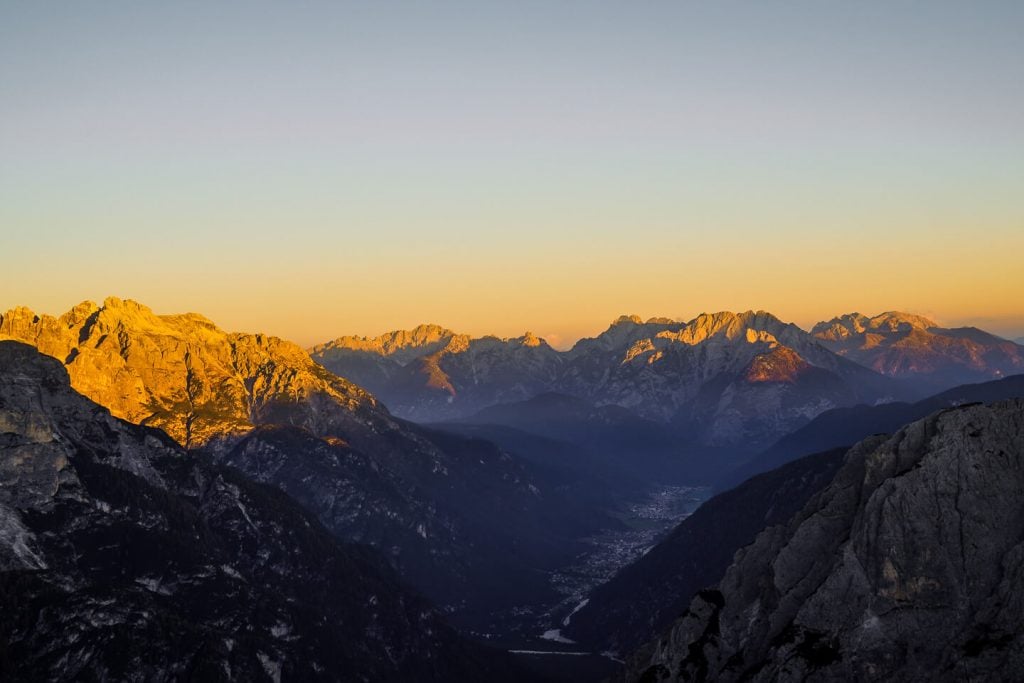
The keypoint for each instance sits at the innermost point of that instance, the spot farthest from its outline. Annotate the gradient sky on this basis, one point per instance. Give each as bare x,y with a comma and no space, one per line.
317,169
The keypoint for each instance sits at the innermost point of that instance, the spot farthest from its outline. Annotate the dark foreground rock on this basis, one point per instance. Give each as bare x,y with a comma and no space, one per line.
909,566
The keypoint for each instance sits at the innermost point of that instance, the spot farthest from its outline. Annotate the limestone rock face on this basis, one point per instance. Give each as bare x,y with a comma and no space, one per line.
909,566
122,557
725,378
910,346
182,374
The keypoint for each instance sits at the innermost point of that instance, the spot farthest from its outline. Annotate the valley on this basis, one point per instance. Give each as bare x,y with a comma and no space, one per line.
534,632
641,524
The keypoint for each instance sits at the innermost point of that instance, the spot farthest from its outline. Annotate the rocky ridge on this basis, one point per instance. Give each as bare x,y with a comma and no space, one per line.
909,346
726,377
908,566
185,376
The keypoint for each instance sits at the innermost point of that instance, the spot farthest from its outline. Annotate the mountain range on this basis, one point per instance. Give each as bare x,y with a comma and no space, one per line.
122,557
910,346
442,507
496,469
722,379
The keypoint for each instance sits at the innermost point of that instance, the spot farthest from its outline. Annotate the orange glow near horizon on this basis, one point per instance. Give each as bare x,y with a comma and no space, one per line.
337,168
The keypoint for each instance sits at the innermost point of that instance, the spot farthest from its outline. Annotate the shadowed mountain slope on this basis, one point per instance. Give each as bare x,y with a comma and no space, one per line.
647,596
122,557
908,566
443,509
846,426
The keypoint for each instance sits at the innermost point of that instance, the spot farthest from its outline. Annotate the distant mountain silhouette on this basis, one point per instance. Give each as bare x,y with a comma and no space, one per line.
846,426
912,347
722,379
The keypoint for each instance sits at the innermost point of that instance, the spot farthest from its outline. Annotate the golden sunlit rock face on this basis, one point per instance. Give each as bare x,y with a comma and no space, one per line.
181,373
905,345
781,364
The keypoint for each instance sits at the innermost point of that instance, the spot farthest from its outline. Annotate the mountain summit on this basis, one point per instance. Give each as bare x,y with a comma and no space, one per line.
908,346
184,375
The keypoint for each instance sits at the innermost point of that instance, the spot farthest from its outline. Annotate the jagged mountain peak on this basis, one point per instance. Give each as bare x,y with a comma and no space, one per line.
729,326
894,318
399,345
631,319
182,373
843,326
907,345
530,339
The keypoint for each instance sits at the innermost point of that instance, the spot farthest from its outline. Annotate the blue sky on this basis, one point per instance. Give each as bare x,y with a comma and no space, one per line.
316,169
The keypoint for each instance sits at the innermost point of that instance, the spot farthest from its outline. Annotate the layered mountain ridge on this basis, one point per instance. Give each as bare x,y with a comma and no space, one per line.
903,345
729,377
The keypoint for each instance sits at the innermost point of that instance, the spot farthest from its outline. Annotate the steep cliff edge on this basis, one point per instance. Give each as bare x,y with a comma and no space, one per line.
909,566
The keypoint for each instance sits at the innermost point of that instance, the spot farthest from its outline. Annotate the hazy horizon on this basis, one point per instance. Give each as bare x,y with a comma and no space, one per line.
326,169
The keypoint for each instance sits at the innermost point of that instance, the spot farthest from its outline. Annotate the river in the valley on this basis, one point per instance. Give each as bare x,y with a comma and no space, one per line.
534,632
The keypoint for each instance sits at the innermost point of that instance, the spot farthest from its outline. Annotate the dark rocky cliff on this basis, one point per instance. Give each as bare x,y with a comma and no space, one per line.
909,566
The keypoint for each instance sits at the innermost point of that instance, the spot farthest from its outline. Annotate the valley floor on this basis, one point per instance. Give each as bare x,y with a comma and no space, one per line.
533,632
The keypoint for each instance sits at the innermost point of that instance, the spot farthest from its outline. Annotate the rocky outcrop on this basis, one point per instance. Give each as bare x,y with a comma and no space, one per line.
185,376
908,566
913,347
122,557
722,379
